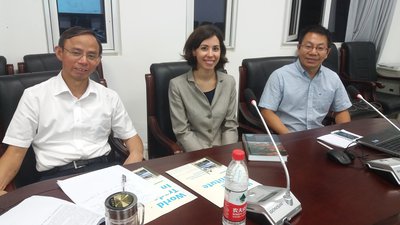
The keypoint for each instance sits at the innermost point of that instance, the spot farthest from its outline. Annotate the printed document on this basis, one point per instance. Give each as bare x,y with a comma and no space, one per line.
173,195
206,177
43,210
90,190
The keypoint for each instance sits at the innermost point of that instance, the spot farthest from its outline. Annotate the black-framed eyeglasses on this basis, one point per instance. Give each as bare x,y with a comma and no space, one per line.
309,48
79,54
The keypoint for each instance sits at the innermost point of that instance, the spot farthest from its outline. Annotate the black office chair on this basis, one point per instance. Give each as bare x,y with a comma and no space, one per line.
332,61
11,90
39,62
160,136
3,65
358,68
254,73
358,110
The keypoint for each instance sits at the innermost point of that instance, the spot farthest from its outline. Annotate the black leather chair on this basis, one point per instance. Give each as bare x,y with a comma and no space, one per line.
254,73
332,61
11,90
3,65
49,62
39,62
358,68
160,136
358,109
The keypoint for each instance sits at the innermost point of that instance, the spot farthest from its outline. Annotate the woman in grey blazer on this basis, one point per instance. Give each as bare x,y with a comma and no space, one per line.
203,100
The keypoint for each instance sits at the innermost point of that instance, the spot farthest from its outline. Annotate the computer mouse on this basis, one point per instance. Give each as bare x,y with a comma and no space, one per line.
339,157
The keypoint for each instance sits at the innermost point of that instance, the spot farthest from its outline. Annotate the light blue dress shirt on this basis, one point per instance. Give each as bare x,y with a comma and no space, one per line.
301,102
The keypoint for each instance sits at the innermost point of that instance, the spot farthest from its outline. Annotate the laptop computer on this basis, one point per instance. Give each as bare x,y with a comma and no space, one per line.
387,141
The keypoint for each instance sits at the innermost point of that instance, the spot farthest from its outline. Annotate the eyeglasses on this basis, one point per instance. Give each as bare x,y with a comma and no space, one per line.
79,54
309,48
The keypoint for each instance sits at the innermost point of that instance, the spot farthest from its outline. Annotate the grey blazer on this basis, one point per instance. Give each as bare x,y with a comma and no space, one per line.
196,123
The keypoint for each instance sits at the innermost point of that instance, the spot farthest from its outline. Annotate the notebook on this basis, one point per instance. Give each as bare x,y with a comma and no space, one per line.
387,141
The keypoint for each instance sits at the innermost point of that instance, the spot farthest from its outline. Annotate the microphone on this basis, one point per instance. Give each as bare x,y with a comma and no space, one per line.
355,94
277,204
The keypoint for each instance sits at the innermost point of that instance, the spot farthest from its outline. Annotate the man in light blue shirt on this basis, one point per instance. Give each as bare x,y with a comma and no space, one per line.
298,96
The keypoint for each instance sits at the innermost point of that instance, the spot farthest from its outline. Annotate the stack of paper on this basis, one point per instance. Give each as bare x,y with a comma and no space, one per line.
90,190
49,211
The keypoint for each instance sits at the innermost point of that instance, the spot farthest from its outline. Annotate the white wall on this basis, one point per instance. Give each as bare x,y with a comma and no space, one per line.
390,52
154,31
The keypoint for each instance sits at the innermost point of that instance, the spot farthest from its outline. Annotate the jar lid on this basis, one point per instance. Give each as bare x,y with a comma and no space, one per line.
121,205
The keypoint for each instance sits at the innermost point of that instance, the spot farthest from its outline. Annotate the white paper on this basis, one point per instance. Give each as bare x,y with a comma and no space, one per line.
43,210
205,177
173,196
338,140
90,190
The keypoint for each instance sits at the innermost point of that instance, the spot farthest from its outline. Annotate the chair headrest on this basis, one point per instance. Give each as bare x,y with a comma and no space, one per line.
360,60
3,65
332,61
259,70
42,62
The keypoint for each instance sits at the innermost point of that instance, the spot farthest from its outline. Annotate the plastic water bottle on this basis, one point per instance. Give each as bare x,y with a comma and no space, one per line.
236,185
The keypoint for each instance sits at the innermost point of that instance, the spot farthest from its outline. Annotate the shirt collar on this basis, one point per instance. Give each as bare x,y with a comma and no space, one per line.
61,87
191,77
303,71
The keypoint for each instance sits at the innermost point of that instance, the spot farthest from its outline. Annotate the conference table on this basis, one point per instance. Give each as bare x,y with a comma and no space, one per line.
330,193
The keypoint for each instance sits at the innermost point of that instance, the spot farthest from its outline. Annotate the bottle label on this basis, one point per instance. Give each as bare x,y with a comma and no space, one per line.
235,205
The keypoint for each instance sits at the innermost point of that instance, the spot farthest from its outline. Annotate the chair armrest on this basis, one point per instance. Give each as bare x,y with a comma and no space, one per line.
255,126
244,128
249,116
172,147
379,84
370,86
119,149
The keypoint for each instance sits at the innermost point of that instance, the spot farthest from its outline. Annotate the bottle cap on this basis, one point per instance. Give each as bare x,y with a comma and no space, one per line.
238,154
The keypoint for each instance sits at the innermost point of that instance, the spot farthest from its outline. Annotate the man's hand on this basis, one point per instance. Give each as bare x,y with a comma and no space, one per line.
2,192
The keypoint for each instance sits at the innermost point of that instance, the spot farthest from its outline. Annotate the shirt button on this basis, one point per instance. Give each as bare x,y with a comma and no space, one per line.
209,116
209,130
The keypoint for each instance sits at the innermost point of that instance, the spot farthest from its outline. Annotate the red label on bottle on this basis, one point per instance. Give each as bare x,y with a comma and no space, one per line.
235,213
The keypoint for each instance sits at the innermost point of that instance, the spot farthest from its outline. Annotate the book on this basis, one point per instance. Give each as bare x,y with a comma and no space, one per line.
259,147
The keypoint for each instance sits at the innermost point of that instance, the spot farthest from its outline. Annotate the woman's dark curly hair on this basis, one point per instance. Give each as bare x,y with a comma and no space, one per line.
200,34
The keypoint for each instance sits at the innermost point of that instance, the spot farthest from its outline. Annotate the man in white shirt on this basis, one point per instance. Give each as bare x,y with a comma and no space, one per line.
68,118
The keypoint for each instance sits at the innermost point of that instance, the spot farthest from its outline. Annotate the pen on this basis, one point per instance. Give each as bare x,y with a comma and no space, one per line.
123,182
325,145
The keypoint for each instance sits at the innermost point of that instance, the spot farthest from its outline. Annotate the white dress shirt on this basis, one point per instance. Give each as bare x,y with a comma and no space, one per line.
62,128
